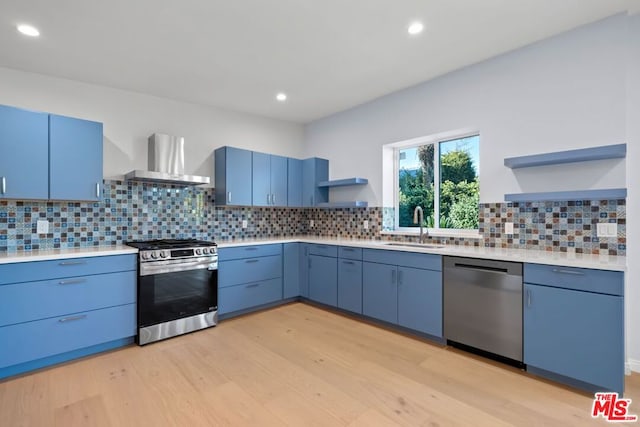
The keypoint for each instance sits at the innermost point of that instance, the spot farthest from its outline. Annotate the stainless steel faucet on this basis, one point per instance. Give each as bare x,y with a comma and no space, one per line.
418,218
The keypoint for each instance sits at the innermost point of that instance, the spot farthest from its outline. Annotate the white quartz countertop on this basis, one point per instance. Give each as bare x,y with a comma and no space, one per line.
54,254
600,262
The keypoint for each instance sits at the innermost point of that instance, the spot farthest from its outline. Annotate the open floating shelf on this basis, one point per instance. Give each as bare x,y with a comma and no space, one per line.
355,204
605,194
343,182
617,151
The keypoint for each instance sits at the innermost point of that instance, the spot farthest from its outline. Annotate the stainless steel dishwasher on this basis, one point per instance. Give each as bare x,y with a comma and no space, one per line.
483,305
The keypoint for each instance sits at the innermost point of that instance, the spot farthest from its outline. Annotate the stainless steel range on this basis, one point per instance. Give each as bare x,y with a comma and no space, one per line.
177,287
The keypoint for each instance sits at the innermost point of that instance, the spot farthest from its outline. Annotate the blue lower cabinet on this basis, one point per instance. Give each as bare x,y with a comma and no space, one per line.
379,291
323,279
304,270
350,285
575,334
420,300
248,295
290,270
248,270
43,338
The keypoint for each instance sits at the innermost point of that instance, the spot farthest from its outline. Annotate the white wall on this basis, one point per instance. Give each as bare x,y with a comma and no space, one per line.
129,118
562,93
632,292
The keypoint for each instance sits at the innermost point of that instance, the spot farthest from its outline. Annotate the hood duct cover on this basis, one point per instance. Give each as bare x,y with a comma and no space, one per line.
166,163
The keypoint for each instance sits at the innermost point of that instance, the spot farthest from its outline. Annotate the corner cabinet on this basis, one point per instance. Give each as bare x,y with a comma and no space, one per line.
574,326
44,156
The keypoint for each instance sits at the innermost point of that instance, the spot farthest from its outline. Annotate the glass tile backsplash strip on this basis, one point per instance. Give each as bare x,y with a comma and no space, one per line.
138,211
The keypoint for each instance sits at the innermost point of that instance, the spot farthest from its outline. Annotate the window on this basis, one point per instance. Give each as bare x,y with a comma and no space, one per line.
446,189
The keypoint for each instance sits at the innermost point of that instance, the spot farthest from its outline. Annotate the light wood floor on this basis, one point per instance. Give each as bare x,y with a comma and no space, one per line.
294,365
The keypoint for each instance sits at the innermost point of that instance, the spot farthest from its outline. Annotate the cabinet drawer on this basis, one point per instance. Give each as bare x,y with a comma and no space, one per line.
582,279
24,302
226,254
239,297
406,259
324,250
350,253
249,270
72,267
43,338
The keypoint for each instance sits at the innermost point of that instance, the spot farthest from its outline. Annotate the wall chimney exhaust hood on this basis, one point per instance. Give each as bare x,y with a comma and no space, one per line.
166,163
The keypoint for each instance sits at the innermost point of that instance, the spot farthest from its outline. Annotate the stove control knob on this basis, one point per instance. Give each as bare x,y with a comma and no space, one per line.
145,255
205,251
164,254
198,251
154,254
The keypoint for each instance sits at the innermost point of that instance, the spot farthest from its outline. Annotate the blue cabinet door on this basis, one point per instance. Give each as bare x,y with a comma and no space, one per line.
575,334
291,270
294,182
233,177
314,170
278,181
75,159
304,270
323,280
420,300
350,285
379,291
261,188
24,154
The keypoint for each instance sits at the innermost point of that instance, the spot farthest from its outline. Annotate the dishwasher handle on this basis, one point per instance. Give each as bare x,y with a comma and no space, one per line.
482,268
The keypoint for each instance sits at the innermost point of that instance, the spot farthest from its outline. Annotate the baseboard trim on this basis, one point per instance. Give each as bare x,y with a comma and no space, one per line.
632,365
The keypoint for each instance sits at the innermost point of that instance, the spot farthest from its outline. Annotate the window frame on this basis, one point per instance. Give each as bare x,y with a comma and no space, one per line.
435,140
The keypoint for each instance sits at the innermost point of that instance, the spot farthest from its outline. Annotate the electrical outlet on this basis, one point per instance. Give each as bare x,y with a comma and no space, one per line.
311,223
42,227
605,229
365,224
508,228
244,223
612,229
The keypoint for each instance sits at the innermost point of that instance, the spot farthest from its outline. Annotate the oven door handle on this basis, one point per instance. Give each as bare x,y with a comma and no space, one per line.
148,270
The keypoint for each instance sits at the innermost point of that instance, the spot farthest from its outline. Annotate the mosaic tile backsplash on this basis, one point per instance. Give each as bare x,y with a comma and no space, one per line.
139,211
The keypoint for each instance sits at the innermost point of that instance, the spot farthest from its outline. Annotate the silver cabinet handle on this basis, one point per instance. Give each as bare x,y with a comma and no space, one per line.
348,262
561,271
528,297
98,190
249,261
348,249
72,262
4,185
228,196
253,285
273,199
268,199
399,277
251,249
393,277
72,318
71,281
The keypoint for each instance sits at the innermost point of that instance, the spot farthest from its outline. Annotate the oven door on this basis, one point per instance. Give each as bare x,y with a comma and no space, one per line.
174,289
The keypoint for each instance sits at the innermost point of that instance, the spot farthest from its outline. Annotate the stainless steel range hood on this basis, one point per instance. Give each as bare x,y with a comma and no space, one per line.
166,163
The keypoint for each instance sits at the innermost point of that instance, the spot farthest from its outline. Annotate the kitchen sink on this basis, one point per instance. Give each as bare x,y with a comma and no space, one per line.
415,245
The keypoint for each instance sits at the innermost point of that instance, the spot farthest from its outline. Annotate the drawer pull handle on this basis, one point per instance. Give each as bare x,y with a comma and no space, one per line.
253,285
561,271
71,281
251,249
348,249
249,261
348,262
72,263
72,318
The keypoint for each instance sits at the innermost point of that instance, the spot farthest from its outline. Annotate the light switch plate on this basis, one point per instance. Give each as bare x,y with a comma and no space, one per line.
42,227
508,228
365,224
311,223
244,223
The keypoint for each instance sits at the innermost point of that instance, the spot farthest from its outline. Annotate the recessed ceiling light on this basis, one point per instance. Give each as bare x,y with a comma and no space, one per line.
415,28
28,30
281,97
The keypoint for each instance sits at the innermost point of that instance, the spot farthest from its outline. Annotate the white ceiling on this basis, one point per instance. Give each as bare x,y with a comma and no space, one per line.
327,55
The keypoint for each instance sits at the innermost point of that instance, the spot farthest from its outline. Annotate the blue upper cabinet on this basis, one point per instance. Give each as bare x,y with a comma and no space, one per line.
314,171
269,180
75,159
233,176
294,182
24,154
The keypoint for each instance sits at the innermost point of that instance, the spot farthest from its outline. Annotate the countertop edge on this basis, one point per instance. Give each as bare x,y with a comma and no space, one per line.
56,254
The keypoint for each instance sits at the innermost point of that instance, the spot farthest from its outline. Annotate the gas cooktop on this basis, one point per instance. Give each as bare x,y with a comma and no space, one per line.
169,244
